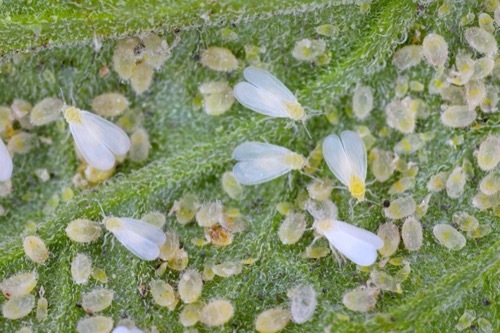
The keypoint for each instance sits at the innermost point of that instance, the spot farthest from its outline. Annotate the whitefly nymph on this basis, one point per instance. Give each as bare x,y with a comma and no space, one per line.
6,165
265,94
97,139
141,238
357,244
346,158
260,162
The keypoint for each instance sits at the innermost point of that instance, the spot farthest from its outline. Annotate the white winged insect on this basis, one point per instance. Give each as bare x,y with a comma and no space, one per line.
265,94
260,162
358,245
97,139
346,158
141,238
5,163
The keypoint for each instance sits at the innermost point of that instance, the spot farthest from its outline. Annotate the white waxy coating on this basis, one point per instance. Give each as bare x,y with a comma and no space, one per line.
483,67
142,77
409,144
83,231
488,155
435,50
458,116
438,181
362,101
216,313
97,300
401,185
412,234
141,238
465,221
475,92
481,40
407,56
18,306
18,284
389,233
139,146
455,184
302,303
219,59
358,245
322,210
272,320
46,111
308,50
191,314
21,143
81,268
346,158
400,117
361,300
124,57
209,214
35,249
218,97
261,162
292,228
97,139
320,189
400,208
231,186
228,268
265,94
190,286
490,184
97,324
109,104
449,236
163,294
381,164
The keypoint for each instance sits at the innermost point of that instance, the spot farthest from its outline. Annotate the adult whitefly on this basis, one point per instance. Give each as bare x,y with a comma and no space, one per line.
362,101
303,303
141,238
46,111
265,94
435,50
458,116
98,140
358,245
481,40
346,158
261,162
407,56
6,165
449,236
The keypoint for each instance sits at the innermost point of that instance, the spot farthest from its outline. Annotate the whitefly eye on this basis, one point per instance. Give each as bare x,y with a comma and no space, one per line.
265,94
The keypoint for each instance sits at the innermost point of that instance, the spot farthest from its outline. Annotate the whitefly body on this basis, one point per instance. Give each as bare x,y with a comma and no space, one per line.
141,238
97,139
346,158
6,165
357,244
265,94
261,162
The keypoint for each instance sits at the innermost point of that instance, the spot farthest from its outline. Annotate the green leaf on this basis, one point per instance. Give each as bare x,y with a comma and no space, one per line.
49,49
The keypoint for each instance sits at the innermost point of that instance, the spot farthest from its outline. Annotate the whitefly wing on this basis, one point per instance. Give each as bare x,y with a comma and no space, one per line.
355,151
336,158
252,172
95,153
268,82
5,163
112,136
358,245
260,100
251,150
145,230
